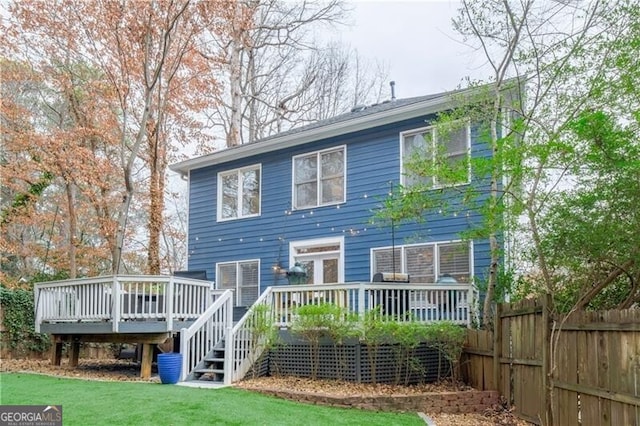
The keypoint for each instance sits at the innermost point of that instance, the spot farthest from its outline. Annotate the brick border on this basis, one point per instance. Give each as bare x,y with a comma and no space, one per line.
473,401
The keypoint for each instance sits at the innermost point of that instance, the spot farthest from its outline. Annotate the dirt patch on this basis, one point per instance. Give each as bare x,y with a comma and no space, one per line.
89,369
127,370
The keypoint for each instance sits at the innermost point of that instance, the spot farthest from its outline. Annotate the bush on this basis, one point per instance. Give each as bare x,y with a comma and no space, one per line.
19,320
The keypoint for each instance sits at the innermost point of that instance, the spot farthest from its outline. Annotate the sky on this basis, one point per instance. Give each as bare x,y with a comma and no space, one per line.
417,42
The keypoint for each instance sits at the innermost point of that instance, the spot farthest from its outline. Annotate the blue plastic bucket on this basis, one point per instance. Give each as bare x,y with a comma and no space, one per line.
169,367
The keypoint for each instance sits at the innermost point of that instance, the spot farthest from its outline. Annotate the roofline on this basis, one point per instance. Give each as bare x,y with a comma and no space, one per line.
305,136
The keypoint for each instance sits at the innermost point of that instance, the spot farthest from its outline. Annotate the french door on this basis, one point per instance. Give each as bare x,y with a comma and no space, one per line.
323,259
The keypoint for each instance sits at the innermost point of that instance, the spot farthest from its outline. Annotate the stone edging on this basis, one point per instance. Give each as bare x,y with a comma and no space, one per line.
472,401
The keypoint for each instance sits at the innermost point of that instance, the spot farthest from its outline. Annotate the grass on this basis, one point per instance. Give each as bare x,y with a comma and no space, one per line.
126,403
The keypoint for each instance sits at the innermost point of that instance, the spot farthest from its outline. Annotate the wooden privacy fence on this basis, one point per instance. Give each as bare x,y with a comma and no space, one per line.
581,369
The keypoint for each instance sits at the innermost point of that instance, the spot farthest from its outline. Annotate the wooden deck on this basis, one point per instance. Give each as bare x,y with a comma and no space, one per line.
147,310
152,310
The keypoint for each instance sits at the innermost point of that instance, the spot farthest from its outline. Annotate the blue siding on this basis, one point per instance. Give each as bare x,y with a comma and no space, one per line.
373,161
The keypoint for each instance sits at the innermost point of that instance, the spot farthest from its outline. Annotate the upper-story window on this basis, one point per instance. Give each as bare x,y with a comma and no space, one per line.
319,178
239,193
446,152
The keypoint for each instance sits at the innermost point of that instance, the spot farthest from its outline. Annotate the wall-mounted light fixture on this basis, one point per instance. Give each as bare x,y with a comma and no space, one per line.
278,269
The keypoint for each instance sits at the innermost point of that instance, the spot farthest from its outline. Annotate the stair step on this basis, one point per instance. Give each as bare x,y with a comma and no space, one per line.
214,359
209,371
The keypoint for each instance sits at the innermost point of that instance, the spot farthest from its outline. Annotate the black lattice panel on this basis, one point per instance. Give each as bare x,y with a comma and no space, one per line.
357,362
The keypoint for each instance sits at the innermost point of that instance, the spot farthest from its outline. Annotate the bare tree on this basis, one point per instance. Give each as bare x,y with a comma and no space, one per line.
277,76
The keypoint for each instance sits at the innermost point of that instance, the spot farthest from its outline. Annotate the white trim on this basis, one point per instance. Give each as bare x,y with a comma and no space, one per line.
319,242
318,154
238,172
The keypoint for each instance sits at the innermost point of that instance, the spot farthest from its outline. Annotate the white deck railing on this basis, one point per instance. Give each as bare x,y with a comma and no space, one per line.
244,344
197,341
121,298
168,298
397,302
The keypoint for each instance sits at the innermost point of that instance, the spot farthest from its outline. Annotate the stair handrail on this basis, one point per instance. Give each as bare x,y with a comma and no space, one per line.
239,354
193,352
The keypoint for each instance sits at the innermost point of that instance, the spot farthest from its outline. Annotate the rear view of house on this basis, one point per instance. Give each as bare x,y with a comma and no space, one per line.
308,196
297,208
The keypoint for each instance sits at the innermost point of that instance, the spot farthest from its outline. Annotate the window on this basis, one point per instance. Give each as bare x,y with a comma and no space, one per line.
319,178
425,262
447,150
242,278
239,193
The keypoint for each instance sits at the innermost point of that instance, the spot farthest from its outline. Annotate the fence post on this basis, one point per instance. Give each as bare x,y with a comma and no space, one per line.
546,358
497,348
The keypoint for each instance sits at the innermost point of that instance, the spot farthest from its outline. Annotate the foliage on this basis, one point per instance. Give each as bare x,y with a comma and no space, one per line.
559,186
374,329
151,403
312,322
96,113
508,283
449,339
263,332
592,231
18,322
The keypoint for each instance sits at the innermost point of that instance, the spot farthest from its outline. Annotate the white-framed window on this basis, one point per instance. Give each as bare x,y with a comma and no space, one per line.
319,178
239,193
425,263
242,277
447,149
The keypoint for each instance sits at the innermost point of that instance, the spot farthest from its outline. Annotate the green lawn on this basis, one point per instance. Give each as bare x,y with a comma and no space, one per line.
127,403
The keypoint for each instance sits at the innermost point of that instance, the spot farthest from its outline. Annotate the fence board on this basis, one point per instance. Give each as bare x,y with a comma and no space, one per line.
566,365
596,364
604,380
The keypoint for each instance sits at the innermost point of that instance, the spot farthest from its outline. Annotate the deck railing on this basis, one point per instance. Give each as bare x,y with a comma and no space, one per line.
121,298
397,302
197,341
244,342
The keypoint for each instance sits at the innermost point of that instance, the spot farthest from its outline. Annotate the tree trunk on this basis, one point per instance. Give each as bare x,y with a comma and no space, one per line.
156,202
235,84
494,248
73,225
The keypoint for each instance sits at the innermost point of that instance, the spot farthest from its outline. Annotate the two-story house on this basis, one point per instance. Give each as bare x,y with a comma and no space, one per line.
308,196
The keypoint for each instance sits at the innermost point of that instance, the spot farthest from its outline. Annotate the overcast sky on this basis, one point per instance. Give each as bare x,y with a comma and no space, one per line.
417,42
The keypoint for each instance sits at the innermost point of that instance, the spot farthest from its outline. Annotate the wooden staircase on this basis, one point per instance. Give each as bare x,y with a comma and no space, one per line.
211,369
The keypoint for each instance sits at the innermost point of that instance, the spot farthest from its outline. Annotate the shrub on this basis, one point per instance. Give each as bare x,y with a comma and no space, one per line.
19,321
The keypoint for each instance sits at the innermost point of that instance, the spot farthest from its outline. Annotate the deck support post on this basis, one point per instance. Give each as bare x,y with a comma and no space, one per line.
56,351
74,353
147,359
